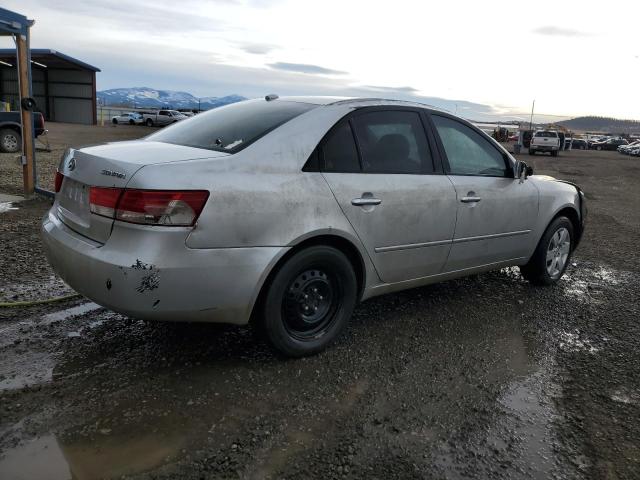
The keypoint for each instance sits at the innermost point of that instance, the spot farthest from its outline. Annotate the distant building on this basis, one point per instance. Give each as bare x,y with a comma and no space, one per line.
64,88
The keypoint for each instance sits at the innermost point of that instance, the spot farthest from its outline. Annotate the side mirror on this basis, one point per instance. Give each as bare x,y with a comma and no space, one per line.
524,170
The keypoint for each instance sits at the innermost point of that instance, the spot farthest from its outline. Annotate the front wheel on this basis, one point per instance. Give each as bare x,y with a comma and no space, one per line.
532,152
10,141
309,301
552,255
114,121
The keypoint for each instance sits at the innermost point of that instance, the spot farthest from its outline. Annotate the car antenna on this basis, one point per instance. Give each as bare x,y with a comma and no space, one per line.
271,96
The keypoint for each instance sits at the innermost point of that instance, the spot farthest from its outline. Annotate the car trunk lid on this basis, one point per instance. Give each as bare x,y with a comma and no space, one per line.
111,165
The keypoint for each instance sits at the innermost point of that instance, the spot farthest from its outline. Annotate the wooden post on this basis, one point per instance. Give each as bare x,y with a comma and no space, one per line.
27,116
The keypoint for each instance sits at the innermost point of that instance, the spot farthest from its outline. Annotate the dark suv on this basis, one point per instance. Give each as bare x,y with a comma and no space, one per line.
11,130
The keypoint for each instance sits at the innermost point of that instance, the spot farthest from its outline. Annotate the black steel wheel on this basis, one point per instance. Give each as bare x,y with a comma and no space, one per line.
309,301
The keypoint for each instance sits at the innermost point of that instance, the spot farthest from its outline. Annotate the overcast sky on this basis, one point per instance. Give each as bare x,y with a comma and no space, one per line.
573,57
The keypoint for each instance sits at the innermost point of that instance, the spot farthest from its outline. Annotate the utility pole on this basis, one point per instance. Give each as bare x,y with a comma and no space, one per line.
23,53
531,119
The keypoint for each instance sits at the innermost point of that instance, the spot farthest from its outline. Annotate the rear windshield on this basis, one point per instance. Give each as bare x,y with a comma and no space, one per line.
232,127
546,134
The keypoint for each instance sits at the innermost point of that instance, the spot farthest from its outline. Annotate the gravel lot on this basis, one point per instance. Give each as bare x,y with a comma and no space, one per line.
484,377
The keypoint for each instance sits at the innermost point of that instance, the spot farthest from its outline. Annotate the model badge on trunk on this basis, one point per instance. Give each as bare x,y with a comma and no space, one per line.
72,164
111,173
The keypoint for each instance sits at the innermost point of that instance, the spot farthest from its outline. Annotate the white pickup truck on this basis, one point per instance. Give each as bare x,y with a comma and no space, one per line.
545,141
163,117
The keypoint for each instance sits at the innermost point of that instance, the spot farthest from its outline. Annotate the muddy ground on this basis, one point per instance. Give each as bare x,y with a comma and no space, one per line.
484,377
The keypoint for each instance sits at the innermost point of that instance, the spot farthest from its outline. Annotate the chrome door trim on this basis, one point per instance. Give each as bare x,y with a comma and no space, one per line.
493,235
393,248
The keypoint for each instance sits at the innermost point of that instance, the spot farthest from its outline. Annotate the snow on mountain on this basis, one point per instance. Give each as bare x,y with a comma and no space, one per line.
145,97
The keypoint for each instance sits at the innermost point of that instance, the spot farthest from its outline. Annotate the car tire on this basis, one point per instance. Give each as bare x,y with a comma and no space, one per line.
554,153
532,152
149,122
10,141
598,148
114,121
552,255
131,122
309,301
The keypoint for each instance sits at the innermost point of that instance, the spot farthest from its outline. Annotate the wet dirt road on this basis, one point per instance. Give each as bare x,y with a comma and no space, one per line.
484,377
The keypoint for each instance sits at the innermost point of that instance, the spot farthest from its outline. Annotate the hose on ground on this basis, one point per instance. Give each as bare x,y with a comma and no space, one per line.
38,302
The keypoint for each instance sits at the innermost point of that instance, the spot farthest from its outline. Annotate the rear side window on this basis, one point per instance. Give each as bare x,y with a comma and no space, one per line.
339,151
232,127
392,142
468,152
547,134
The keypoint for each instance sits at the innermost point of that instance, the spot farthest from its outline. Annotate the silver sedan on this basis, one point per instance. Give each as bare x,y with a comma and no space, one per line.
288,212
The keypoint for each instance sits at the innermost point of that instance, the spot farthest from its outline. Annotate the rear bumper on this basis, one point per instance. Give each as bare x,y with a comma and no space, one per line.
152,275
544,148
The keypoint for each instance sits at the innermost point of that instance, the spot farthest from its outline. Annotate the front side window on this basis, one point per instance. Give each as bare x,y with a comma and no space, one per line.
232,127
468,152
339,151
392,142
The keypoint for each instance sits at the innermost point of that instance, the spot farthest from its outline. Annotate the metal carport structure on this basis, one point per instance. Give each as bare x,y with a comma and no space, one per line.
64,87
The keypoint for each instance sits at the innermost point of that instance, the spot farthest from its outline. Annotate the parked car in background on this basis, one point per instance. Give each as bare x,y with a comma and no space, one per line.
11,130
187,113
596,139
545,141
629,147
610,144
132,118
163,117
579,144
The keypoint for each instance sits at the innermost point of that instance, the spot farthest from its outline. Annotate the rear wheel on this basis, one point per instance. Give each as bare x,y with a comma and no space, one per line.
598,148
554,153
532,152
552,255
309,301
149,122
10,141
131,122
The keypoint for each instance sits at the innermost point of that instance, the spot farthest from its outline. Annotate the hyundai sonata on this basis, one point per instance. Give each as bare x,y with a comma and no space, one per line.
289,211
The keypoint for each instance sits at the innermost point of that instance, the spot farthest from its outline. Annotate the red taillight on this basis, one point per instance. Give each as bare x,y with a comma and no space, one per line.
167,207
103,201
58,182
149,207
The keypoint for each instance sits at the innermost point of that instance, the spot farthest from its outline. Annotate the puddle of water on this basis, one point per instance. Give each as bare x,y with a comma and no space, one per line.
40,459
108,457
7,206
535,414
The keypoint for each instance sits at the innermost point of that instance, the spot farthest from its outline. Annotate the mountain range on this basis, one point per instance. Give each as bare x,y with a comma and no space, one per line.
145,97
602,124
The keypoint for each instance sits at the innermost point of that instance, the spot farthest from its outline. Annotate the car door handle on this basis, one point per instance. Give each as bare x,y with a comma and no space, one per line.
470,199
362,202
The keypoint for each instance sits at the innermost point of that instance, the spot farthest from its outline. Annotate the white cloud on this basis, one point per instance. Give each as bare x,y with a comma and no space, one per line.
551,51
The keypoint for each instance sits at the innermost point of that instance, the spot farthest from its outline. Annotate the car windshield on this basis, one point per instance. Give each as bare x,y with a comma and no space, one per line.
174,112
232,127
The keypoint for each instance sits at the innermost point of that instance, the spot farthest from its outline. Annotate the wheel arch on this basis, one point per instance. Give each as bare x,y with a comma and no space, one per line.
341,243
574,217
